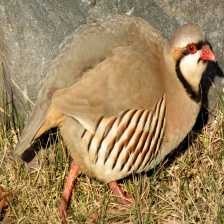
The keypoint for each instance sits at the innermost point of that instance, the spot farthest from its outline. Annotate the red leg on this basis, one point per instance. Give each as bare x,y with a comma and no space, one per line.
121,195
67,193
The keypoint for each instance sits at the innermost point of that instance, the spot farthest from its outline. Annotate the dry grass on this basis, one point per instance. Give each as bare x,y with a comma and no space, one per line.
190,190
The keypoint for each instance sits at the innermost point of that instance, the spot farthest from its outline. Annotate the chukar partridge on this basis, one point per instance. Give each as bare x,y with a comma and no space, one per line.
134,98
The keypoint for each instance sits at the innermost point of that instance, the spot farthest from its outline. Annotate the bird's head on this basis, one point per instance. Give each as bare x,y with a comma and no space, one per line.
191,53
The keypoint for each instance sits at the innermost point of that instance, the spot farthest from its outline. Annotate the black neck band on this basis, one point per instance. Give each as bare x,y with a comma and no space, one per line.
194,95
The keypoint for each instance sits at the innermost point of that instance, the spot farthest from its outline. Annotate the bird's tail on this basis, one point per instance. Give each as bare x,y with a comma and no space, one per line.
43,118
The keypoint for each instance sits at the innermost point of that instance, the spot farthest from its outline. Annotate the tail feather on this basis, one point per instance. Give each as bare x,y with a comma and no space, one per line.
42,119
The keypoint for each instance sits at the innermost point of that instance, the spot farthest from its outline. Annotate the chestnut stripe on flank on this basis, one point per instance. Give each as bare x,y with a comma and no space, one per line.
131,131
146,143
132,150
109,127
162,128
92,136
161,133
136,148
146,147
124,127
123,114
149,148
158,145
89,143
109,149
83,133
155,139
152,151
98,123
104,136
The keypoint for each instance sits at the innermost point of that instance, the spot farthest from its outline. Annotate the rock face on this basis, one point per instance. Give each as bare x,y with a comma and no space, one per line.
31,32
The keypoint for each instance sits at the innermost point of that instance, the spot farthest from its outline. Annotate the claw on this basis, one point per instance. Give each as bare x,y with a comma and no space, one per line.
122,196
63,210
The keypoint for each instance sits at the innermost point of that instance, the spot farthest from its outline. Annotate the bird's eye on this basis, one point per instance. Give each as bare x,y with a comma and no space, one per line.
192,48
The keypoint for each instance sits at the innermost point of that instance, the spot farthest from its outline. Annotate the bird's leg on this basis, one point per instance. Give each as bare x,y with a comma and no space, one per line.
67,193
121,195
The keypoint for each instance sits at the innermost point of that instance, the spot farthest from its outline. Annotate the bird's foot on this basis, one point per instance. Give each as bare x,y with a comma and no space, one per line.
122,196
63,210
67,193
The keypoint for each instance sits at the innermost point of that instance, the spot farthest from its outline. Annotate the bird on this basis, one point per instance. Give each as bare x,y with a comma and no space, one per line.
123,98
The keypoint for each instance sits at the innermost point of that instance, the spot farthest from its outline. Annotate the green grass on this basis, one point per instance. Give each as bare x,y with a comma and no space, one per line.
189,190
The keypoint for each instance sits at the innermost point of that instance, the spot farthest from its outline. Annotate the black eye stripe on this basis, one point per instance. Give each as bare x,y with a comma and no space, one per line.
199,46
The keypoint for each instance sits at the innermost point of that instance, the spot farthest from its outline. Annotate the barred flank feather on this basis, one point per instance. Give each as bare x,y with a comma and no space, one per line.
128,142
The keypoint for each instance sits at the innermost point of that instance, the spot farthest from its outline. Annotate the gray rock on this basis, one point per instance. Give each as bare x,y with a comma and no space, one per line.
32,30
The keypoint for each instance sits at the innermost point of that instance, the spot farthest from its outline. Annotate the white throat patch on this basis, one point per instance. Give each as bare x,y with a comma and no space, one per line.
192,69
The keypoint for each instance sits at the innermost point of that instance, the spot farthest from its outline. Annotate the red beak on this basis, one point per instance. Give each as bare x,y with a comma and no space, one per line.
207,54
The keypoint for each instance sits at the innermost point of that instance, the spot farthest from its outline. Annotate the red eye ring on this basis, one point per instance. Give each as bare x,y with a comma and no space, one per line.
192,48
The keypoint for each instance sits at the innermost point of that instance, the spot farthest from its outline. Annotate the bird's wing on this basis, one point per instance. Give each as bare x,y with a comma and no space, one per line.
121,82
105,79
